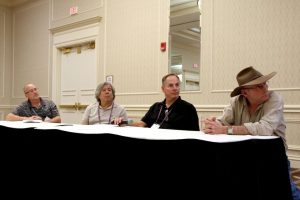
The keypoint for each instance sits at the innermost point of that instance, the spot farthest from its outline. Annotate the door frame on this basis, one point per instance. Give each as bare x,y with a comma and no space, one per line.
70,38
67,38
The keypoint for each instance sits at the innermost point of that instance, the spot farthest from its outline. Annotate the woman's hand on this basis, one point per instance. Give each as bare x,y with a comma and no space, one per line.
117,120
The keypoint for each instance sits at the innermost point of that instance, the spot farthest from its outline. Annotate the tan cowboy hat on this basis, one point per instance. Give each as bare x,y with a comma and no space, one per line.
249,76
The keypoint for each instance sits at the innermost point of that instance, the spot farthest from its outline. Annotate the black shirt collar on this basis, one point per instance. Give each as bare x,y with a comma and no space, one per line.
165,106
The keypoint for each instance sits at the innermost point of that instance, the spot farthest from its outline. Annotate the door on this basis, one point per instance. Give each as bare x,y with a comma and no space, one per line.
78,80
75,71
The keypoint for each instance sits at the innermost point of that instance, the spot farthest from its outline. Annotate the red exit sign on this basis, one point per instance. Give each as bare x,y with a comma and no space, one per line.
73,10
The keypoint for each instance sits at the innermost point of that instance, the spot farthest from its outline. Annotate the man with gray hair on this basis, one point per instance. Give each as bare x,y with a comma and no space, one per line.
173,112
105,110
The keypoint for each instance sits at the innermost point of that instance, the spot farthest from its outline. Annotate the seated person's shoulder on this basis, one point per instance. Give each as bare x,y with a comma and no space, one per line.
157,104
186,103
116,105
275,97
48,101
95,104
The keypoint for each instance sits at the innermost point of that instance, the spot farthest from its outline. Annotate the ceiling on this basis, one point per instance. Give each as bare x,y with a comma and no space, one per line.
185,22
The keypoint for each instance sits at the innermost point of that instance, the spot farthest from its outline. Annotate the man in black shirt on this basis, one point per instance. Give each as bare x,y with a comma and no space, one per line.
172,112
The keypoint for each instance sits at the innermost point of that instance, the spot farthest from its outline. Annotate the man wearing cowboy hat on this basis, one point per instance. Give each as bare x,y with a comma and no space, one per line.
253,110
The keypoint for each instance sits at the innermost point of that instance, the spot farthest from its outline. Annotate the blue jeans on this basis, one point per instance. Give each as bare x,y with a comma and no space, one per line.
295,190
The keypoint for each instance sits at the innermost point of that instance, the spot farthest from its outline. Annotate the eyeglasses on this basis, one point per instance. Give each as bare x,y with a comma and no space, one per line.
260,86
31,90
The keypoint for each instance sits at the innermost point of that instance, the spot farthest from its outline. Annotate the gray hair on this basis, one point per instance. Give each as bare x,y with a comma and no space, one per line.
163,80
100,87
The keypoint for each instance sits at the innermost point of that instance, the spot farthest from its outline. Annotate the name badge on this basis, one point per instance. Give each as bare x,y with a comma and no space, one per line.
155,126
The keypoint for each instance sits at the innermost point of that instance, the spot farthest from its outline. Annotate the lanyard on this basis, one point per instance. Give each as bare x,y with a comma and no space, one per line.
34,113
166,115
109,114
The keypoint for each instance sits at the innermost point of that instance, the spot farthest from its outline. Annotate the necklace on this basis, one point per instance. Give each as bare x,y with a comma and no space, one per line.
166,118
112,106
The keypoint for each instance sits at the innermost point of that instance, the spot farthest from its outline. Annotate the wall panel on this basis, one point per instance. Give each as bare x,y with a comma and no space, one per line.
5,58
2,51
31,57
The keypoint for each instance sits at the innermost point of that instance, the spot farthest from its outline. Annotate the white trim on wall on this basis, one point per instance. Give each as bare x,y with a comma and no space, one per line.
4,50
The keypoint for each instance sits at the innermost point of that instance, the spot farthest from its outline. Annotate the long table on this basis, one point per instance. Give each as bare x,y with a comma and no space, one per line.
148,163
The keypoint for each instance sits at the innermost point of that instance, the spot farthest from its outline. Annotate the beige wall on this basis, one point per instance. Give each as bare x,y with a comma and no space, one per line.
5,60
134,30
235,34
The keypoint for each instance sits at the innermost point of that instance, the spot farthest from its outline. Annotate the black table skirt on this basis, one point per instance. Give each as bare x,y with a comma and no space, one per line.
155,169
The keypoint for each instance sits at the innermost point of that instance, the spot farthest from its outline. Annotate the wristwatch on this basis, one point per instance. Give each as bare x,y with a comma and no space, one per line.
229,130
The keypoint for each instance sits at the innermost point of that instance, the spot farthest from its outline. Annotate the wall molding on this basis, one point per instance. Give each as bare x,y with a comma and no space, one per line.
215,108
138,93
294,147
3,13
136,107
273,89
74,25
6,106
293,157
